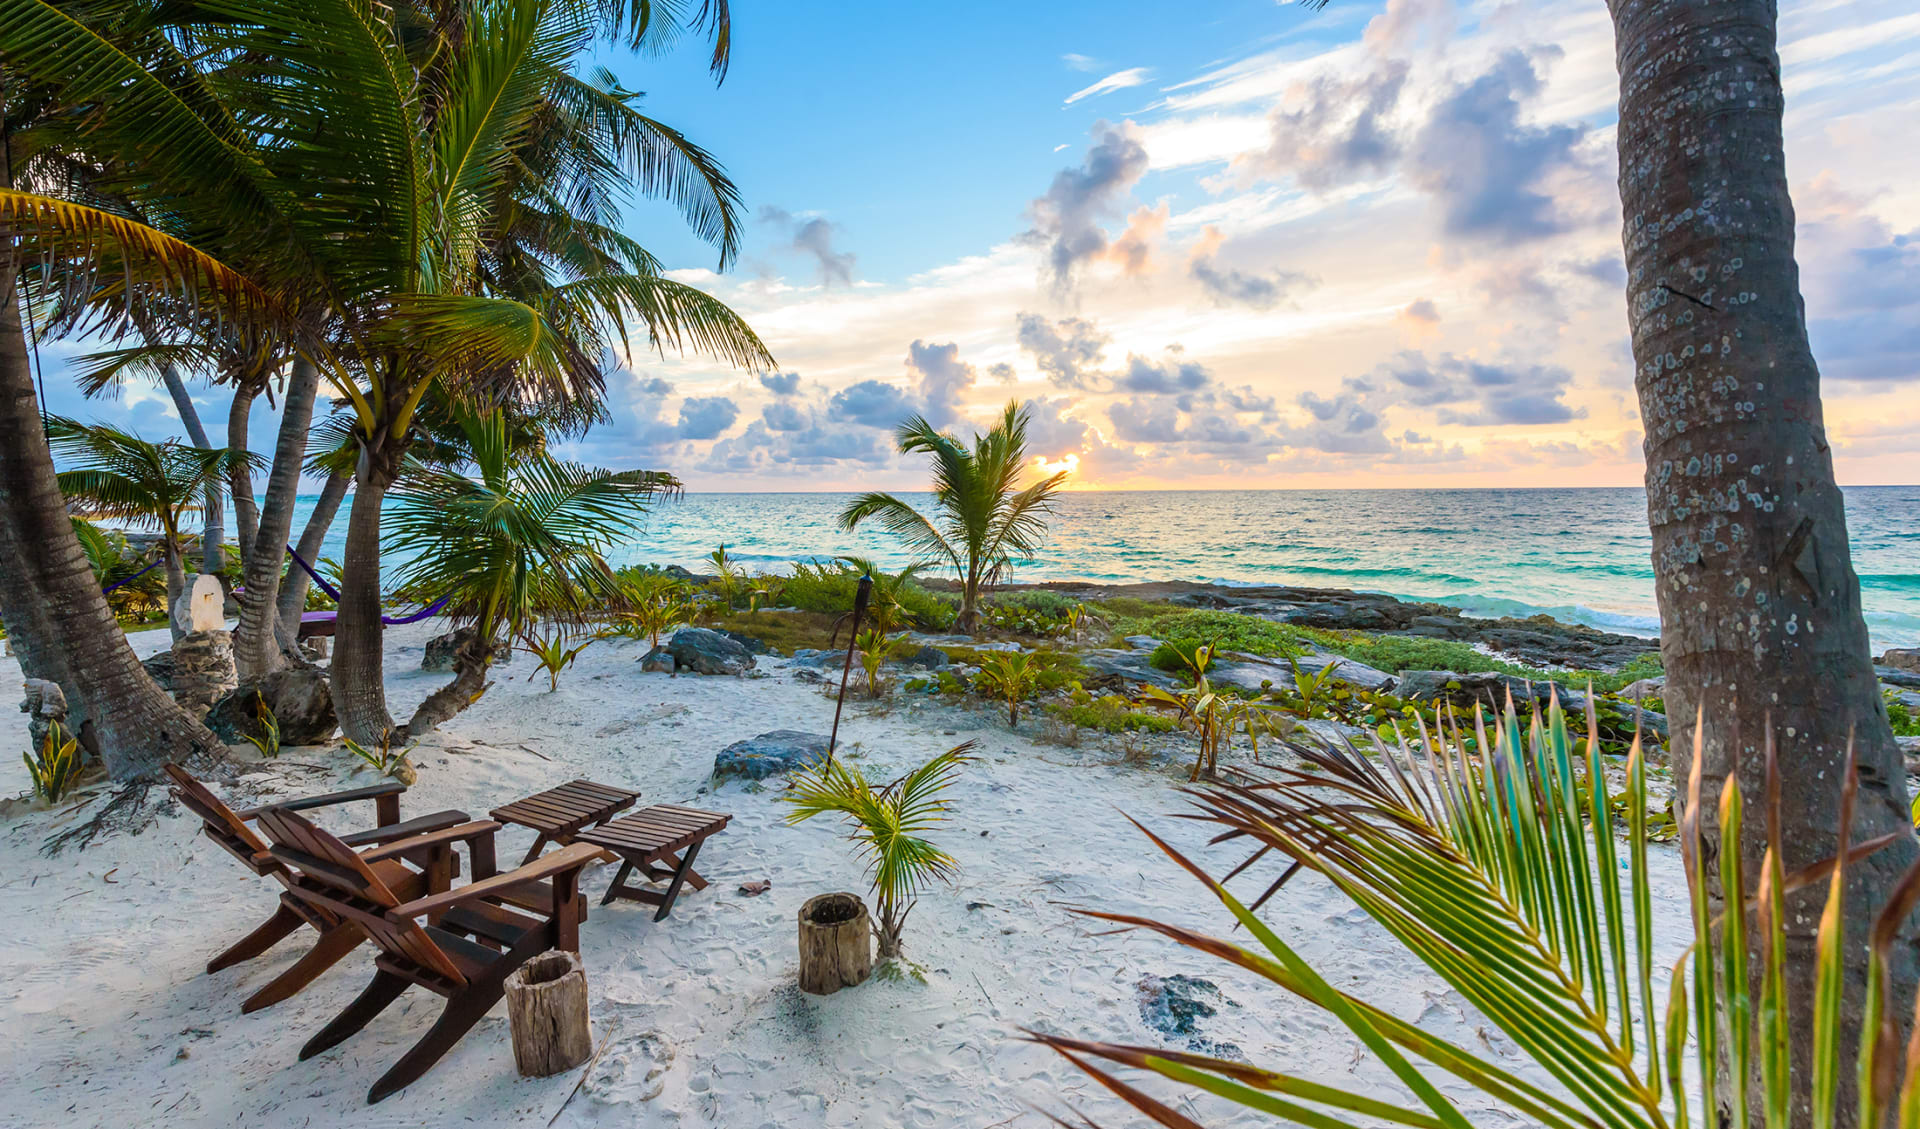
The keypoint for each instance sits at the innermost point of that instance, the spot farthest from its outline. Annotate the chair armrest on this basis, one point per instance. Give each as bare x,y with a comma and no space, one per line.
446,835
569,858
372,792
418,825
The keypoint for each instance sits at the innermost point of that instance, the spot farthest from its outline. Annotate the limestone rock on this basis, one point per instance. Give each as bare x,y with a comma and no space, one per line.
45,706
1655,687
301,702
1128,667
203,670
1902,658
923,658
1490,690
160,667
769,754
202,607
704,651
754,646
657,661
442,649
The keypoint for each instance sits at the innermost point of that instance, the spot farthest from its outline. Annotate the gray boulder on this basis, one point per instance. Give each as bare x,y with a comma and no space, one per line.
1897,676
1902,658
1654,687
769,754
1143,642
441,650
657,661
704,651
923,658
301,701
753,646
1463,690
1249,671
1126,666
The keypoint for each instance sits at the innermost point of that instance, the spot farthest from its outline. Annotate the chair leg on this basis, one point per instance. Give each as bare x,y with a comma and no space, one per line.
264,936
383,990
333,945
679,875
462,1012
618,884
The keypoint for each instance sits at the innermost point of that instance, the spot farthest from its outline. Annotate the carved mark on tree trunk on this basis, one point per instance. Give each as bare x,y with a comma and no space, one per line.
1687,296
1800,552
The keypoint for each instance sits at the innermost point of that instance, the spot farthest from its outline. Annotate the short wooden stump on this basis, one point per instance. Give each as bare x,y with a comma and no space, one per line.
836,943
547,1011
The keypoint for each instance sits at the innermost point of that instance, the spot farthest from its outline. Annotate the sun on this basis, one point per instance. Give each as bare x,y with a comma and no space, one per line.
1067,463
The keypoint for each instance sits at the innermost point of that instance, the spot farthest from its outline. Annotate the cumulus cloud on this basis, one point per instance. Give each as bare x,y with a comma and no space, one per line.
1516,394
1486,167
1419,315
1068,351
706,417
1067,220
1334,130
1862,284
1228,286
783,415
1143,375
874,403
761,449
638,419
813,238
780,383
944,378
1119,80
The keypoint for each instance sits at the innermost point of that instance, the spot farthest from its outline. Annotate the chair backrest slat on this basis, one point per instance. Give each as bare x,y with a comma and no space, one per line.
344,882
220,819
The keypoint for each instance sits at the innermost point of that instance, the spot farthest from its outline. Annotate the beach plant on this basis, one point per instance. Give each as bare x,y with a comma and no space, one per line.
1182,656
551,653
519,541
1501,872
1899,715
269,740
888,825
1213,715
1011,677
653,603
828,587
765,590
384,759
1312,691
730,583
983,519
875,648
55,765
1111,713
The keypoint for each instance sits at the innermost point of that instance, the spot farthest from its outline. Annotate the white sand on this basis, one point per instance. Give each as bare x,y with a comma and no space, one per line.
107,1017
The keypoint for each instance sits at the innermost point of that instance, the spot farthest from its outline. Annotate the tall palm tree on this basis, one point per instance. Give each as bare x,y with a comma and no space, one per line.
983,519
406,243
523,540
116,475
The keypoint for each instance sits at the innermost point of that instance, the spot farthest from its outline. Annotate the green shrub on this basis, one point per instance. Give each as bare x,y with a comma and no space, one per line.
1905,724
1226,631
828,588
1110,713
55,765
1056,670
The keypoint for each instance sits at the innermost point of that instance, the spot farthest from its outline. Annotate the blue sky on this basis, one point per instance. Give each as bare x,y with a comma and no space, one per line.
1372,246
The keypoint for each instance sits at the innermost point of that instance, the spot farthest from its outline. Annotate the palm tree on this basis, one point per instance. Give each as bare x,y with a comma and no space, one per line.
521,541
984,520
889,825
119,476
437,226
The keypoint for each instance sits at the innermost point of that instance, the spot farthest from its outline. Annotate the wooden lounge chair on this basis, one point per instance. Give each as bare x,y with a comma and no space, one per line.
436,868
451,955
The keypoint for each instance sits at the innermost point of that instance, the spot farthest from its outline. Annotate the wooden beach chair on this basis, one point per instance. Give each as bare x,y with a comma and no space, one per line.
661,842
229,828
450,955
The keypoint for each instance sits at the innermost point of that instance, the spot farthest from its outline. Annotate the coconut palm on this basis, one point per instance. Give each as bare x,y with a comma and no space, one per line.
1501,872
889,825
444,225
1749,527
983,519
519,542
118,476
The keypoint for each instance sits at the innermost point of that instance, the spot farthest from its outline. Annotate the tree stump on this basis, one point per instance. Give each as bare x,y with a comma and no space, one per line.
547,1011
836,943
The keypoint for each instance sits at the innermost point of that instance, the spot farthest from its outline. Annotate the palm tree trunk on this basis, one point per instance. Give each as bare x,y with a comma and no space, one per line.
213,510
293,590
256,646
469,681
54,612
1760,607
176,584
246,512
359,693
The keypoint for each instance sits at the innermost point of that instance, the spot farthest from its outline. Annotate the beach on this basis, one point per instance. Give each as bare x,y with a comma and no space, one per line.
697,1019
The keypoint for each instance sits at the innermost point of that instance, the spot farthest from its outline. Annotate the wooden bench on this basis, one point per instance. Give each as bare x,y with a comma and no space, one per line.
557,815
650,837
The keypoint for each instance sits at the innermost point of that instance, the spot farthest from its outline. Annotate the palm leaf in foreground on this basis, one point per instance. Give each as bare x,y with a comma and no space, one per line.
1499,872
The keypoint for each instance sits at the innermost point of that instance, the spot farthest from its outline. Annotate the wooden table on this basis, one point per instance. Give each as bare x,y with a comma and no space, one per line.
558,815
649,837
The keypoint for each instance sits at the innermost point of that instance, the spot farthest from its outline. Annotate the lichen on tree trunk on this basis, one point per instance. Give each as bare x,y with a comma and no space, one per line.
1759,604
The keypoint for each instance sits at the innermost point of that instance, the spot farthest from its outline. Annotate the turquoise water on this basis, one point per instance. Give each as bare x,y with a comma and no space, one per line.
1580,555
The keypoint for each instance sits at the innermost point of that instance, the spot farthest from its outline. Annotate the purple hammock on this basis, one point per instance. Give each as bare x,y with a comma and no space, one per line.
321,623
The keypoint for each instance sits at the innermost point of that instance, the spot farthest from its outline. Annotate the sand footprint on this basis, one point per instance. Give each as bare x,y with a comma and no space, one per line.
632,1070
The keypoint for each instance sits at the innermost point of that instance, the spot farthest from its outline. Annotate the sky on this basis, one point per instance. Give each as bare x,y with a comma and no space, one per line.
1373,246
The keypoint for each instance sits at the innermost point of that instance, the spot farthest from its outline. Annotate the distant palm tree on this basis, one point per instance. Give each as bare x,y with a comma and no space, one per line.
984,521
519,542
119,476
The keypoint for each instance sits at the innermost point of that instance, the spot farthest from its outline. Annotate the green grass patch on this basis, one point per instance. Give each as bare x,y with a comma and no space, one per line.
785,632
1227,631
1058,669
1111,714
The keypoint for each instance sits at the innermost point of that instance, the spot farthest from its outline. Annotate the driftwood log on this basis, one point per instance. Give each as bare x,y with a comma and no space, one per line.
836,943
547,1010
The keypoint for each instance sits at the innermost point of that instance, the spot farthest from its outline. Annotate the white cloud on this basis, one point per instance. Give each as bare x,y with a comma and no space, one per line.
1119,80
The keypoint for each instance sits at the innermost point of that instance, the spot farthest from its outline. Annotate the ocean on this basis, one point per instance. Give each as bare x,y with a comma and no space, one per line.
1578,555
